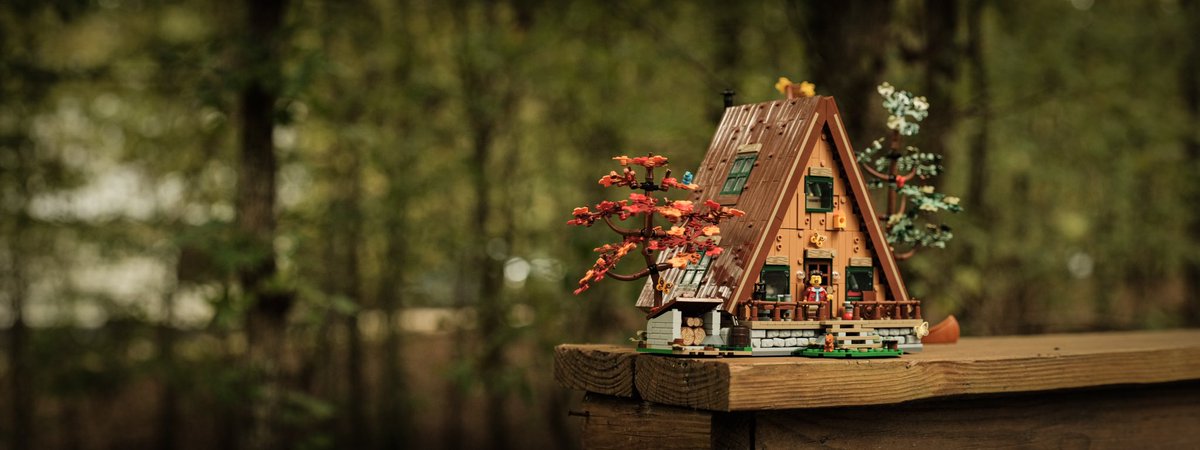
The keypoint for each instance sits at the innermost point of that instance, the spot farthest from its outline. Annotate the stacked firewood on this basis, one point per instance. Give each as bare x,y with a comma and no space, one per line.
692,331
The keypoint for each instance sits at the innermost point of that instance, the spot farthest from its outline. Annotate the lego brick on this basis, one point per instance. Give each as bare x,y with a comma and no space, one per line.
894,323
777,260
672,319
819,253
775,351
792,325
712,323
821,171
858,261
749,148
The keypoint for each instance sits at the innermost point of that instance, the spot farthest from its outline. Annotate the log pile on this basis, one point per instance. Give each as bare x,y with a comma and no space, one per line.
692,332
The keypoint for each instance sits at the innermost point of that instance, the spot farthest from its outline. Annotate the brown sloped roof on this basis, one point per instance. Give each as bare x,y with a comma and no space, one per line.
787,130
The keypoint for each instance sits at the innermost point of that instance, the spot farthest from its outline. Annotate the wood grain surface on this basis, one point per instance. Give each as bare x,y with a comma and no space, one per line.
603,369
989,365
621,423
1155,416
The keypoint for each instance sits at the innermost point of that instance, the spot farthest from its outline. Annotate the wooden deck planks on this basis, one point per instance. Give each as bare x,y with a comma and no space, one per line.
973,366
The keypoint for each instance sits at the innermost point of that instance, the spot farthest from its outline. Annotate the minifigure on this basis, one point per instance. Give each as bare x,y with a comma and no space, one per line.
814,295
815,292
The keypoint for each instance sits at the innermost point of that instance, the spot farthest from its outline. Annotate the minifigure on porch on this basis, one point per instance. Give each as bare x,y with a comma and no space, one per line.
815,294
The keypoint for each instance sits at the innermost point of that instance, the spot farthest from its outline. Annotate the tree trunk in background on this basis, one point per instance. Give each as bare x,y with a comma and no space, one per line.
348,211
1189,85
488,104
23,89
266,322
395,416
845,53
169,398
727,19
978,142
20,380
940,57
982,107
345,221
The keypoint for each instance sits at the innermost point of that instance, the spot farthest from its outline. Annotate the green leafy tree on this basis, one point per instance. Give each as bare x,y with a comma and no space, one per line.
912,204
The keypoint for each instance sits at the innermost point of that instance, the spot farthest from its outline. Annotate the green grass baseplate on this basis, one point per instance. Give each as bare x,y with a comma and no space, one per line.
871,353
661,351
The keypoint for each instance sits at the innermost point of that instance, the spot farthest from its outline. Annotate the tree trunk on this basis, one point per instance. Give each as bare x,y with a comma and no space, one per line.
169,397
487,106
396,417
982,106
846,46
978,169
20,380
266,323
941,55
1190,89
727,19
351,286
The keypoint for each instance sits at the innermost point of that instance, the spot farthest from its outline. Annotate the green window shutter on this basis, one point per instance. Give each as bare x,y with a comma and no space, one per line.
818,194
738,174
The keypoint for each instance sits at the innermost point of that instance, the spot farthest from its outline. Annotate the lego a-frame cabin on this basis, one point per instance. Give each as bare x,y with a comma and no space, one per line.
790,166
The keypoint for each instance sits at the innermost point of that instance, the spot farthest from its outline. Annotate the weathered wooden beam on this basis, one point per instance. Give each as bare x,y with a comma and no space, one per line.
623,423
1127,416
1155,416
1159,415
603,369
973,366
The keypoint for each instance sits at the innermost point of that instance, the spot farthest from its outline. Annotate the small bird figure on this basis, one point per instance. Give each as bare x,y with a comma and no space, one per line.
687,177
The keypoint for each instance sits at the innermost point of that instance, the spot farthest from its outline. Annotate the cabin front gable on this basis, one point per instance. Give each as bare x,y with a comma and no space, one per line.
822,232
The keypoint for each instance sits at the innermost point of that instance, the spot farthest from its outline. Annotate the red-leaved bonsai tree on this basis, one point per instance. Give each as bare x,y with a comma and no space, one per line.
690,233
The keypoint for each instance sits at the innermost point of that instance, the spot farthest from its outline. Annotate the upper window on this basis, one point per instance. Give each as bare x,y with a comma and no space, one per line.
818,194
738,174
695,272
859,280
777,280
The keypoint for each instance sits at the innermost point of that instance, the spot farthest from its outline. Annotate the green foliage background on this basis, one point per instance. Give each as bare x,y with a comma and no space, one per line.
430,154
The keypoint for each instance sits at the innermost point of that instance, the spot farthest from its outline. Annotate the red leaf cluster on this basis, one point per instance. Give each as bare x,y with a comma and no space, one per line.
610,254
649,162
690,234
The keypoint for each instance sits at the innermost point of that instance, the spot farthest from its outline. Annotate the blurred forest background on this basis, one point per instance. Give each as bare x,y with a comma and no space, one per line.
316,224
